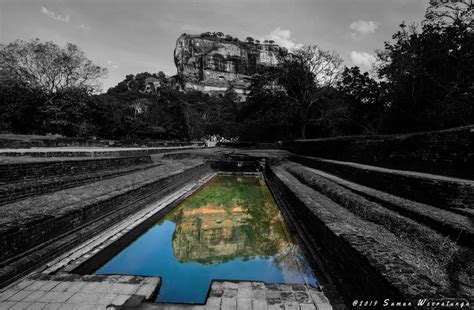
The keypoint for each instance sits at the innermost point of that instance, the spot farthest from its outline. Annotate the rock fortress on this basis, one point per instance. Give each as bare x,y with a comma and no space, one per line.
211,62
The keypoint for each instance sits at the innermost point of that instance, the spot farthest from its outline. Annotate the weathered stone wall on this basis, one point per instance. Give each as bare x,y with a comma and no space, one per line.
210,64
447,152
29,171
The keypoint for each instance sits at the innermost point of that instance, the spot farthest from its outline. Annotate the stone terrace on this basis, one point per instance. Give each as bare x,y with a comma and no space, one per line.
381,231
36,229
21,180
372,223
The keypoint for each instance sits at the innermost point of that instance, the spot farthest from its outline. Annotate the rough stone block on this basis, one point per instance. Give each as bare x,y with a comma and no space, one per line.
119,300
20,305
7,293
36,306
258,285
68,287
302,297
320,300
213,303
259,304
278,306
146,291
287,296
229,303
291,306
258,294
245,292
244,303
23,285
230,285
56,297
34,295
19,296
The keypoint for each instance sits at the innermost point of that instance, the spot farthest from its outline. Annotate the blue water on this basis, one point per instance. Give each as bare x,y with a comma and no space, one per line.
242,237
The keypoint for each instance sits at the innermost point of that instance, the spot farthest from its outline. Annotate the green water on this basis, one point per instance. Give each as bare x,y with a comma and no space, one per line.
229,229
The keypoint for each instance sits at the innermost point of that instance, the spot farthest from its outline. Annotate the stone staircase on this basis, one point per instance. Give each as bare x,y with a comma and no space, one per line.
22,180
379,232
36,229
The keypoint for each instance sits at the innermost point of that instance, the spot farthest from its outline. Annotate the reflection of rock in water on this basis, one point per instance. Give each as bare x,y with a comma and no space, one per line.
211,234
240,228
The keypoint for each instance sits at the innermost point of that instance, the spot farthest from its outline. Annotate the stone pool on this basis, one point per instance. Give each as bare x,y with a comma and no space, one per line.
229,229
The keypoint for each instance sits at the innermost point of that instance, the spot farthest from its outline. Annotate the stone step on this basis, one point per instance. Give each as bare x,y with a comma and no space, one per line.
21,190
440,191
374,251
28,223
29,171
93,151
456,226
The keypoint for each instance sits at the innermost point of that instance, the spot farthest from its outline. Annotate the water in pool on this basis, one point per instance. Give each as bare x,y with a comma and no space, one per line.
230,229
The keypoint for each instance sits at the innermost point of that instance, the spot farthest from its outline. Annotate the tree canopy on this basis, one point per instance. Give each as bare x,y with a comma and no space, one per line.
423,80
49,67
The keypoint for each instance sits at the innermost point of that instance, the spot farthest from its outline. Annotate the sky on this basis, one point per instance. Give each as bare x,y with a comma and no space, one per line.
140,35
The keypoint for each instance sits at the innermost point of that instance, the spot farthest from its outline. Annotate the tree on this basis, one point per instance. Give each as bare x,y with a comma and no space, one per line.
140,106
451,12
365,98
306,74
429,76
249,39
46,66
265,114
21,108
66,113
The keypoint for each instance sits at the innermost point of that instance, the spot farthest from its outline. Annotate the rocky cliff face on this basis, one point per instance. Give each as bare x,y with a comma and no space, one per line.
210,64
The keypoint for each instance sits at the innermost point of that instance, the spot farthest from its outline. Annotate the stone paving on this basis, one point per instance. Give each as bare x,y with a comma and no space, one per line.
77,292
68,291
228,295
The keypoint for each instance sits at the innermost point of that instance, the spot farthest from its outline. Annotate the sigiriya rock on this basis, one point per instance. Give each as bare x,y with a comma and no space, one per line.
211,63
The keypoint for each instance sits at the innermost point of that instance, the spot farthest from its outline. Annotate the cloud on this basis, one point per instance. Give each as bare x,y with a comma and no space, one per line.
363,59
55,16
283,38
83,27
362,27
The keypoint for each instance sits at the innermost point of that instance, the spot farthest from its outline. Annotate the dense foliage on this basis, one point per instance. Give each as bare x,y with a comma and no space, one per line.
423,80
